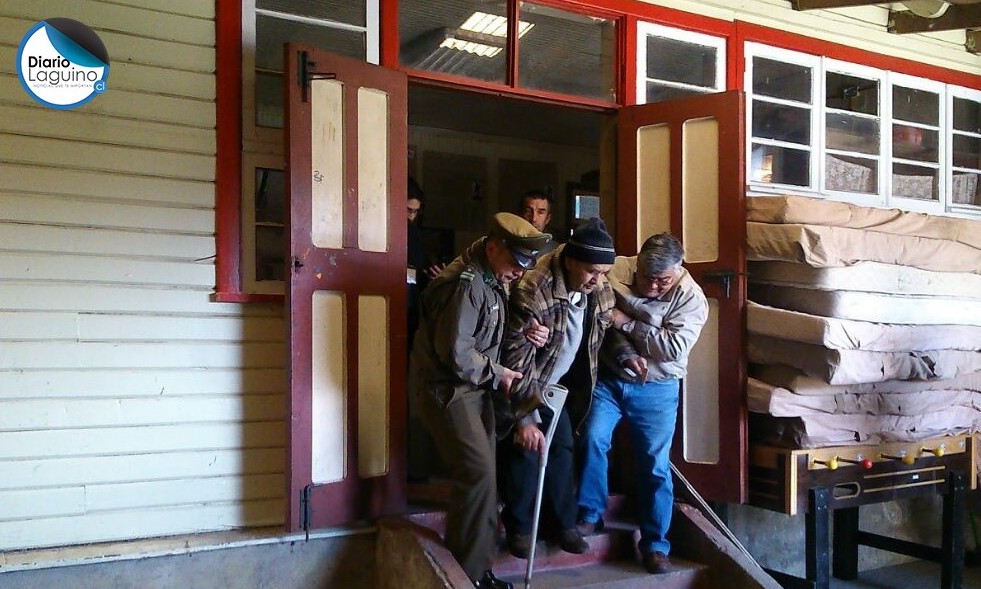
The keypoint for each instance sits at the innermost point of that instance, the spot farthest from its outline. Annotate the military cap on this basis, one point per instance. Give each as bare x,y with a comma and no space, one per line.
520,237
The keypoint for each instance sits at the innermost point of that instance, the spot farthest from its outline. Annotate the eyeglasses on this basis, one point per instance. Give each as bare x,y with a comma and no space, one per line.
661,280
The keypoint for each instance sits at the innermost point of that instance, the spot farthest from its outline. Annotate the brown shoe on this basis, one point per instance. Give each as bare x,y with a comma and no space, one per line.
657,563
572,541
519,545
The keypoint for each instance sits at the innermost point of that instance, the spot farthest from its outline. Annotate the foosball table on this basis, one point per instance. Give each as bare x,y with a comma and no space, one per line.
832,483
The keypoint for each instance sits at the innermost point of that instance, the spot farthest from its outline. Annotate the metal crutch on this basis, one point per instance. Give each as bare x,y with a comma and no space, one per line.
553,397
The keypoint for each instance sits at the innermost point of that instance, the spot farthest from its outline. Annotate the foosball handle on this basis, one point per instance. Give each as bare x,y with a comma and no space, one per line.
865,463
831,463
907,459
939,451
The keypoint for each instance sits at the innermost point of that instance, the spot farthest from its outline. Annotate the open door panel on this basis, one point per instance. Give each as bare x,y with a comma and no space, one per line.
346,181
680,169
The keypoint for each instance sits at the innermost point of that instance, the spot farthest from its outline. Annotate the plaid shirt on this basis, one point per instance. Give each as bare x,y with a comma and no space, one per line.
541,294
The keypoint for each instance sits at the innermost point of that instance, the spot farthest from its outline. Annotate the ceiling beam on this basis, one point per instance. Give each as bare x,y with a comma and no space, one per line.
815,4
963,16
973,42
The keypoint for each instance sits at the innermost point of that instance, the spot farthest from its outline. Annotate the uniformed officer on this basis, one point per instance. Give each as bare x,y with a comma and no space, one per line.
454,369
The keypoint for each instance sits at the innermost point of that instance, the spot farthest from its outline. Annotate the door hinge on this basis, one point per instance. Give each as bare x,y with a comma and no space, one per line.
307,73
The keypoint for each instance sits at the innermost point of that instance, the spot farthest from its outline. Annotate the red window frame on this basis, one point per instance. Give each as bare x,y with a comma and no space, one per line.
228,179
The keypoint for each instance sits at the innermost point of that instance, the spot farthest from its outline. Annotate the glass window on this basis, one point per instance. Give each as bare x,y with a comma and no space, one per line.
781,116
263,224
459,37
566,52
786,81
965,148
852,129
673,63
916,132
340,26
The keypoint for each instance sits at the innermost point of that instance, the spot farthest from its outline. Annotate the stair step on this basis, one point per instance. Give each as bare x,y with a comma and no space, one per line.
621,574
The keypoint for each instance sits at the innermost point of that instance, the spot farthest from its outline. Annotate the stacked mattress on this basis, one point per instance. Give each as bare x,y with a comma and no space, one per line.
864,324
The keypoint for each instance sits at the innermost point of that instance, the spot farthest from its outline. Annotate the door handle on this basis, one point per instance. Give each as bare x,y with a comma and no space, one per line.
723,276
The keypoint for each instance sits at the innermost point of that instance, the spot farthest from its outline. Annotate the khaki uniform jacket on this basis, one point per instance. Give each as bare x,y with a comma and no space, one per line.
663,330
541,294
462,320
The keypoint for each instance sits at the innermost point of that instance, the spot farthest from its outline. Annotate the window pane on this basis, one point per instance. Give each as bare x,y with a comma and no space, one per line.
914,182
566,52
916,106
659,92
964,189
852,93
271,33
781,80
967,151
269,253
270,206
851,174
459,37
967,115
780,165
782,123
853,133
673,60
350,12
269,100
914,143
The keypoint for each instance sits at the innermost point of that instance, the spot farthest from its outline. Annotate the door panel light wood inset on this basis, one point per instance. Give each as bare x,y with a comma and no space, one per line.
327,162
700,190
700,395
373,386
372,170
653,181
329,384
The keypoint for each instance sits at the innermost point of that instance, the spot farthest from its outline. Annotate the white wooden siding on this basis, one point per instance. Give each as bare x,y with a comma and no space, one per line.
131,405
863,27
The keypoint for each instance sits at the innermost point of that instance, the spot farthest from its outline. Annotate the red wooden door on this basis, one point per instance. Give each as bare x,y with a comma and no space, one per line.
346,181
681,170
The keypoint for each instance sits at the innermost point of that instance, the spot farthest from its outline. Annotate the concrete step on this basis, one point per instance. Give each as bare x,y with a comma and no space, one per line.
620,574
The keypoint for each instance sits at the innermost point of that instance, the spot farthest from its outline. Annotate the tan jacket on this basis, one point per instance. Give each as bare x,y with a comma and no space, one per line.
664,330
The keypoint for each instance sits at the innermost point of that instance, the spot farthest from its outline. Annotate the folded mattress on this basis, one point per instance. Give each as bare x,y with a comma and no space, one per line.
799,383
859,366
811,431
824,246
869,277
869,306
819,211
847,334
763,397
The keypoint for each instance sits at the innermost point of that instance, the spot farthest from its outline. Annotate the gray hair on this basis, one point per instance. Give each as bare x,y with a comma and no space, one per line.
659,253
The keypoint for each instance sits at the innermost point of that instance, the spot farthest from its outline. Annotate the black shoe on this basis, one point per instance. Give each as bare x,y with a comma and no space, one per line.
572,541
591,528
519,545
489,581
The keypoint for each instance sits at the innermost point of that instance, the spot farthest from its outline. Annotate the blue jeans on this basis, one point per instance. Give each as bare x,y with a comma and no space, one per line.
651,410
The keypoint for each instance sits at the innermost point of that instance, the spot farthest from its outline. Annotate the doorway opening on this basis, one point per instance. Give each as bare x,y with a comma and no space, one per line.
474,155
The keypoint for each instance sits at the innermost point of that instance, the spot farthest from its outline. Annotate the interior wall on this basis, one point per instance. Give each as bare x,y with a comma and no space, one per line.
503,167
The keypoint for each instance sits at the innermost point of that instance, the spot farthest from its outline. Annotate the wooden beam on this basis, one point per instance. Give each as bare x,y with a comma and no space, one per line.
973,42
816,4
962,16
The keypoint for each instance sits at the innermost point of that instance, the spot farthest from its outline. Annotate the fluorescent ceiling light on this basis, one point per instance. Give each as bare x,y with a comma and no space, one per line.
484,24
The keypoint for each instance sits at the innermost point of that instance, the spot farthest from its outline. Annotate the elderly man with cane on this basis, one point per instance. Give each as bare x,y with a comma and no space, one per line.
566,292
